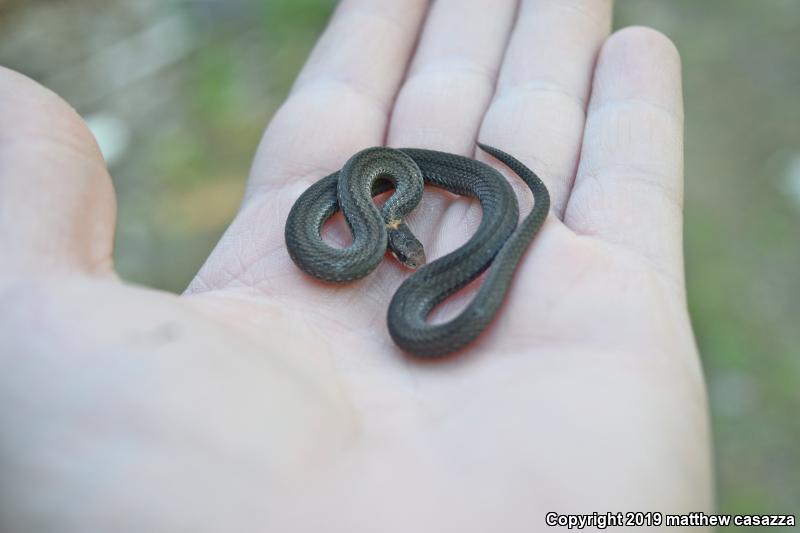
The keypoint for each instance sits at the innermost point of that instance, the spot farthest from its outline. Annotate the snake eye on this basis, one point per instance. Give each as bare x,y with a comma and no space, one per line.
406,248
416,259
413,261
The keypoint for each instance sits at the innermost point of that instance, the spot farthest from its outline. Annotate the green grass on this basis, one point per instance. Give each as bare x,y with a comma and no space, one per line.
742,82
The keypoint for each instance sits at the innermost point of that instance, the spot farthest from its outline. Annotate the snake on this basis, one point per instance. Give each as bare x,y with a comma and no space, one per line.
497,245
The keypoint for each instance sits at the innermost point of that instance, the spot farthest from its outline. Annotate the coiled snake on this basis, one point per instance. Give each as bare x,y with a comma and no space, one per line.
499,242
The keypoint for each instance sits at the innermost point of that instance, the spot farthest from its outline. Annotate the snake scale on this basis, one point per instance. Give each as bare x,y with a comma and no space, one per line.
499,241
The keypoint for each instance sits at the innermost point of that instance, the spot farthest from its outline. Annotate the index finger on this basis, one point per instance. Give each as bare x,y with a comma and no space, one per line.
342,99
339,104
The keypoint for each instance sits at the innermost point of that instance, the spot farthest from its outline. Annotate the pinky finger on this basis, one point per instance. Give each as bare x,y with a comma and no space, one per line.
629,185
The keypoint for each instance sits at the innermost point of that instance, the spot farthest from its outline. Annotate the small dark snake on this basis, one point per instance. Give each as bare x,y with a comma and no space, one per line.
498,242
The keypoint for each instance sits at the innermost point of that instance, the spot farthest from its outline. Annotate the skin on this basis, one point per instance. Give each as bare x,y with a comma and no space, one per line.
261,400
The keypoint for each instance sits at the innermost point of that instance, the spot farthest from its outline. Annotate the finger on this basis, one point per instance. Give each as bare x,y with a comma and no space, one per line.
538,111
452,77
629,187
57,205
341,100
339,105
442,102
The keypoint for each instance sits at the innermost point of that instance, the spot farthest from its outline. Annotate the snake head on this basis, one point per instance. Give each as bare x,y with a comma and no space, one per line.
405,247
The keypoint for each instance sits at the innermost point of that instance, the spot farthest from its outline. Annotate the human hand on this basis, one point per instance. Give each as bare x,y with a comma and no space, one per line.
264,400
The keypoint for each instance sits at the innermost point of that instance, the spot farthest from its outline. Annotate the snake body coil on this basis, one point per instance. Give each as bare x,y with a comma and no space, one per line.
498,242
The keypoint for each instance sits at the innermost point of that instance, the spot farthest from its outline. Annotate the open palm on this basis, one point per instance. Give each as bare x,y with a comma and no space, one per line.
263,400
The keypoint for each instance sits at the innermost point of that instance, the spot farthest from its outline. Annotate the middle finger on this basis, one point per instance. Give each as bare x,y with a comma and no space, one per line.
440,106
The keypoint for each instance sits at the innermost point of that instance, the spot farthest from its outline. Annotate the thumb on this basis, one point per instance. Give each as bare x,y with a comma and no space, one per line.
57,204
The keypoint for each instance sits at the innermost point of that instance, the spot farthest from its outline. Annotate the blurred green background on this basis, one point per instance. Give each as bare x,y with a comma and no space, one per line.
178,94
